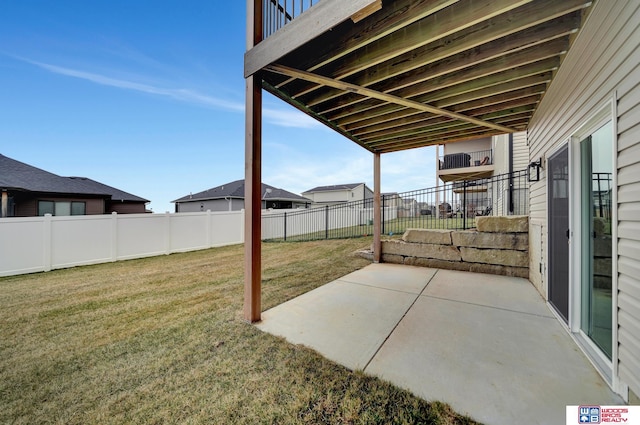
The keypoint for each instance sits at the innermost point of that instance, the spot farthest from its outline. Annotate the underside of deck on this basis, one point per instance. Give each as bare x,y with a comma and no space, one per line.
418,73
392,75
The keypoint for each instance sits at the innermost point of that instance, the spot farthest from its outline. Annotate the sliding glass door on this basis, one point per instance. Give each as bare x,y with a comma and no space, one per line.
596,169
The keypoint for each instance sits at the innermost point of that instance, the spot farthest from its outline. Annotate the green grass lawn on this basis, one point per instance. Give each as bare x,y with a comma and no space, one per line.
162,340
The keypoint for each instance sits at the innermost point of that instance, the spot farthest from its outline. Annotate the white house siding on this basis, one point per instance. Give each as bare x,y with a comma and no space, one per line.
603,63
334,196
468,146
329,197
520,151
214,205
501,154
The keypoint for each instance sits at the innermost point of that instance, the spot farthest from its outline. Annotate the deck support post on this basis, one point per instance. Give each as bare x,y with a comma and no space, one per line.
377,212
253,175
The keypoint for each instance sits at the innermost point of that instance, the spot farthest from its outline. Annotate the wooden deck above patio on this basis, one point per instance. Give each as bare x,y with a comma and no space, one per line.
409,73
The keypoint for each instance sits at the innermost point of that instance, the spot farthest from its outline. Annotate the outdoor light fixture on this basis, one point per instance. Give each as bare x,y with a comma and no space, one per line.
534,170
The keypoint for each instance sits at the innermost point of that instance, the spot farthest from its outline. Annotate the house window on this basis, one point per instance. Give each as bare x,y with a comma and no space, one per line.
61,208
78,208
46,207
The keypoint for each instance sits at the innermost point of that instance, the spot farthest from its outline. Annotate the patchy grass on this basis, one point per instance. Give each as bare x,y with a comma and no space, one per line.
161,340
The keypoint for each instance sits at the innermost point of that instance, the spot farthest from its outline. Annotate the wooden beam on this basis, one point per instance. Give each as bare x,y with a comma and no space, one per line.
377,212
549,16
253,202
422,132
303,108
366,12
422,32
253,176
394,16
550,50
381,96
487,92
442,63
424,123
440,140
377,122
488,109
432,126
320,18
380,116
492,73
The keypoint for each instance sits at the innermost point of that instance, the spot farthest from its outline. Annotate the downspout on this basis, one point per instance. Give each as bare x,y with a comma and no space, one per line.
511,206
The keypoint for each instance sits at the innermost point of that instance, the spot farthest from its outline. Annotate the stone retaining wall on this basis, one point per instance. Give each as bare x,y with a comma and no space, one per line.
500,245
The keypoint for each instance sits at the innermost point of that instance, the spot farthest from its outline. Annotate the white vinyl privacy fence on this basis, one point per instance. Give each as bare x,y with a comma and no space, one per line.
35,244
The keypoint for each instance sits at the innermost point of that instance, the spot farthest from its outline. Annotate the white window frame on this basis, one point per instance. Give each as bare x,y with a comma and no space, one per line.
607,368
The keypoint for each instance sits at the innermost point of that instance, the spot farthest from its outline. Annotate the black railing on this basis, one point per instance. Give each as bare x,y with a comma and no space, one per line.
466,159
278,13
601,195
453,205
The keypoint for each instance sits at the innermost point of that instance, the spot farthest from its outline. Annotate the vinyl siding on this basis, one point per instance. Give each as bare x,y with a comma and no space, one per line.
214,205
520,151
603,63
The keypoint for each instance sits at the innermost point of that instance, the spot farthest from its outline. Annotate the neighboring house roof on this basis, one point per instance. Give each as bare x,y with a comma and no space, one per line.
16,175
349,186
235,190
116,194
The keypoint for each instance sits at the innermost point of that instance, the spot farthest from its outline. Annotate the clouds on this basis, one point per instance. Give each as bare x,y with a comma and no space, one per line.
184,95
289,118
293,167
273,115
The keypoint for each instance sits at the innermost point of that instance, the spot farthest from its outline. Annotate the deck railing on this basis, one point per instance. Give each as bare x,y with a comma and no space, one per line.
278,13
466,159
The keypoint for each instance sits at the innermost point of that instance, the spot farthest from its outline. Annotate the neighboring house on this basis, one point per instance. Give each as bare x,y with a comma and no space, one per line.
482,159
409,207
391,199
338,194
566,72
29,191
230,197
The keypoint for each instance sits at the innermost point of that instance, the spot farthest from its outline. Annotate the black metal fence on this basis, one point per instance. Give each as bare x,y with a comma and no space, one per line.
454,205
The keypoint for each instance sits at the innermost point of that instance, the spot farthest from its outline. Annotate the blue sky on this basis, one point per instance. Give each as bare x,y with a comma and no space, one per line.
148,96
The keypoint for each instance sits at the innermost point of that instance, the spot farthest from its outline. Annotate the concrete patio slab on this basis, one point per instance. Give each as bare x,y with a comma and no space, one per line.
487,345
496,365
509,293
392,276
344,321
